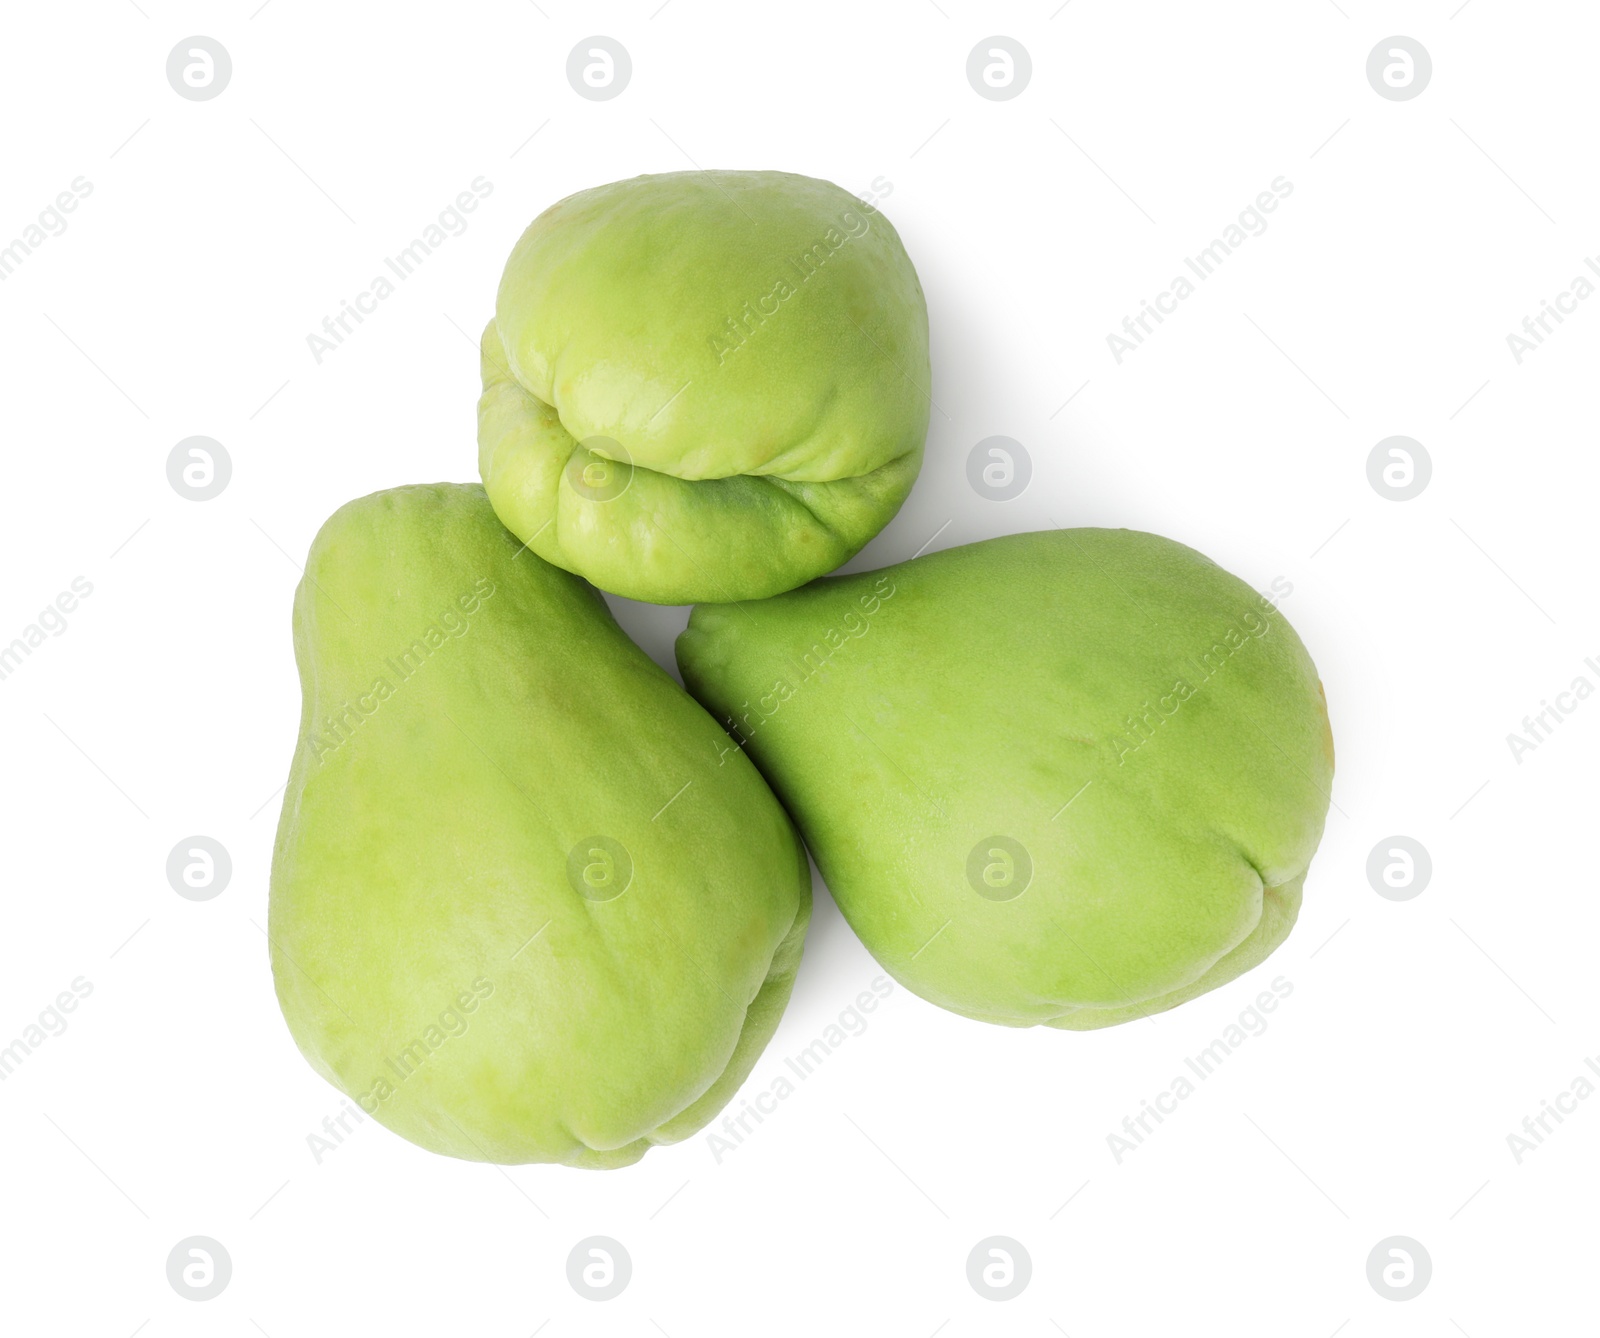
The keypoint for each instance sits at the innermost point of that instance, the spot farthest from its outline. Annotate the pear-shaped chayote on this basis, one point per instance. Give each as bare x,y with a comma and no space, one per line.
1070,778
704,385
526,905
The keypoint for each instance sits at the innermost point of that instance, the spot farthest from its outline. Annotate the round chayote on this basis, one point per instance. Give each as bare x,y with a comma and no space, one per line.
526,903
1070,778
704,385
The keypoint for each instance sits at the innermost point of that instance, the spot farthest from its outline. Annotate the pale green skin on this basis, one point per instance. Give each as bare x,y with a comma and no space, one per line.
980,698
423,853
754,466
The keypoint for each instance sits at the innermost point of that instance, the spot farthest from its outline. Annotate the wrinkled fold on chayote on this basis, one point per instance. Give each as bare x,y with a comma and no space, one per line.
704,385
1071,778
525,905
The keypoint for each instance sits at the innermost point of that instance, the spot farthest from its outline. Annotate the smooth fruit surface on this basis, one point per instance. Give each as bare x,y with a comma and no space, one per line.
704,385
1072,778
524,905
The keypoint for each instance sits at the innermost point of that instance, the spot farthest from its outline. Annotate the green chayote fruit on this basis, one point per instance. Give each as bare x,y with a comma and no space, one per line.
1071,778
525,906
704,385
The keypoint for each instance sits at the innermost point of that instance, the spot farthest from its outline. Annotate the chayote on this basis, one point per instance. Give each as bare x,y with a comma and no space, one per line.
1070,778
524,906
704,385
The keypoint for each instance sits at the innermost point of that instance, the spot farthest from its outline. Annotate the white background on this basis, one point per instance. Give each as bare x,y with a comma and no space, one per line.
1419,1034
